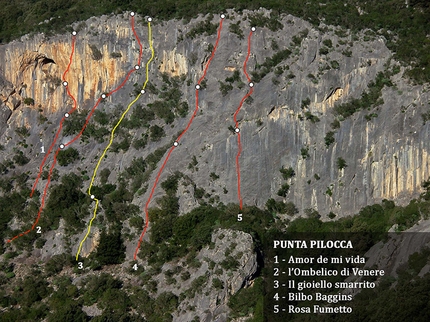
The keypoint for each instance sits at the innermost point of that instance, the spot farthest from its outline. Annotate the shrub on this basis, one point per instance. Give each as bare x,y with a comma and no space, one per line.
291,209
203,27
235,29
313,118
156,133
287,173
305,103
347,53
331,215
341,163
328,43
335,124
313,78
217,283
224,88
259,20
334,64
65,157
28,101
110,249
329,138
115,55
323,51
304,152
95,52
284,190
22,131
274,206
214,176
20,158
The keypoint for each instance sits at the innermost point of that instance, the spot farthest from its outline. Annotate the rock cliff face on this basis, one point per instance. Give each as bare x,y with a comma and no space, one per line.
386,156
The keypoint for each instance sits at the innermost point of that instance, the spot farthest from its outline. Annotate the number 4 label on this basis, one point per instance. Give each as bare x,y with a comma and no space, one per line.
135,267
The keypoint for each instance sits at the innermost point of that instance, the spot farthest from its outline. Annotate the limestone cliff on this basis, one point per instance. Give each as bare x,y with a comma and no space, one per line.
386,156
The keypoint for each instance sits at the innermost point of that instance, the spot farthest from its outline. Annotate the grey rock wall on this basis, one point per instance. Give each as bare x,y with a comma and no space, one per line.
386,157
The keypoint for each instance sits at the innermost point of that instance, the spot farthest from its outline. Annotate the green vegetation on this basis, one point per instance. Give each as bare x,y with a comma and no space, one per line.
236,29
287,173
115,55
323,51
67,156
248,301
369,99
95,52
305,103
203,27
214,176
139,117
305,152
170,104
369,117
297,39
329,138
224,88
156,133
279,207
335,124
22,131
66,201
334,64
20,159
269,63
341,163
110,249
406,37
260,20
284,190
28,101
313,118
328,43
312,78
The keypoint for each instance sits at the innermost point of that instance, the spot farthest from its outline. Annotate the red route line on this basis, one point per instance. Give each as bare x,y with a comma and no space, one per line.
177,141
78,135
61,121
239,196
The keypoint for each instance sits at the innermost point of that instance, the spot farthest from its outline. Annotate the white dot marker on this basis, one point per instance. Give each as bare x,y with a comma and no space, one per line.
74,33
103,95
132,14
149,19
92,196
61,146
251,84
65,83
197,86
222,16
142,91
236,130
66,114
136,67
175,143
253,29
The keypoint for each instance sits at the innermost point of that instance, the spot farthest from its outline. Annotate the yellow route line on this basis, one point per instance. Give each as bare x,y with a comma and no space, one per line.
111,140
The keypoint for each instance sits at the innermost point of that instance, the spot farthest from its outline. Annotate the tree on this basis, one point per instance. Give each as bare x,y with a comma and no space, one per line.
111,248
156,132
287,173
341,163
65,157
